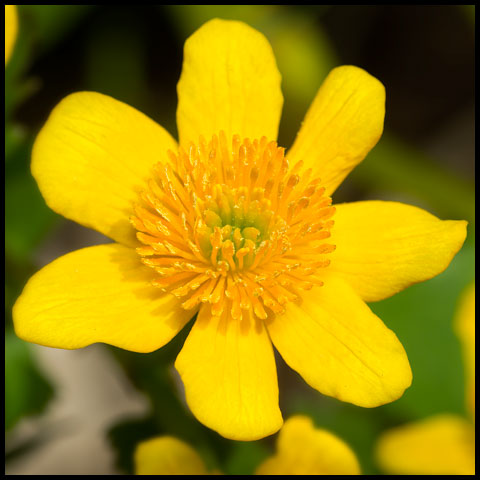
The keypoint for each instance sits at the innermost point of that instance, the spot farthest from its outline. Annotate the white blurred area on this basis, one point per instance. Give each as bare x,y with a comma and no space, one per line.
92,394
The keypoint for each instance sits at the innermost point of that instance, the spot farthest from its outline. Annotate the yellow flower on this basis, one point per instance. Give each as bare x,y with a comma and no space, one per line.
443,444
226,225
302,449
465,329
11,26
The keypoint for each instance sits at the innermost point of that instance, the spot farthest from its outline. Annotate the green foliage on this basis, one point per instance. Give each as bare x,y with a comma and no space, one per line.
24,201
422,317
245,457
126,435
469,12
116,60
26,390
50,23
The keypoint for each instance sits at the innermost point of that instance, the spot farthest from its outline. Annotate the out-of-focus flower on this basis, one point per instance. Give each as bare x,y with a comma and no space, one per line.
226,225
465,329
443,444
302,449
168,456
11,27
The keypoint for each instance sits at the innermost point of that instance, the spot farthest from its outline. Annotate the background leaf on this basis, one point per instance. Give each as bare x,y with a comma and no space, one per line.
26,390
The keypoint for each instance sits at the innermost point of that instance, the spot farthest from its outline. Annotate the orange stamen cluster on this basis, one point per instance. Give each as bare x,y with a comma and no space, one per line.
234,226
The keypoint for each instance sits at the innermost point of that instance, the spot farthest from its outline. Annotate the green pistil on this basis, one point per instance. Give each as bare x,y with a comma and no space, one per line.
244,224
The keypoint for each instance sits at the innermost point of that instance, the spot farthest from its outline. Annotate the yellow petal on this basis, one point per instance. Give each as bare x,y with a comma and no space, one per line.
92,158
465,328
303,449
334,341
440,445
230,378
229,82
11,27
167,456
342,125
97,294
383,247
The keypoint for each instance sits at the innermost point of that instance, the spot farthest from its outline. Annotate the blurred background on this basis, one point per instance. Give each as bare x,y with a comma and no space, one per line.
83,412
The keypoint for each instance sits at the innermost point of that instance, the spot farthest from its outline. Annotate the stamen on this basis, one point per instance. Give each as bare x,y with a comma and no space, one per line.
235,226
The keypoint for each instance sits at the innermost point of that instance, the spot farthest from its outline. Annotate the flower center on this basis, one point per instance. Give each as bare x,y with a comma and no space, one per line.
234,226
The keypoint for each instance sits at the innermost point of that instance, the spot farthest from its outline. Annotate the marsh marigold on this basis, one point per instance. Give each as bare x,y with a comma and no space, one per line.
11,27
443,444
227,225
302,449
